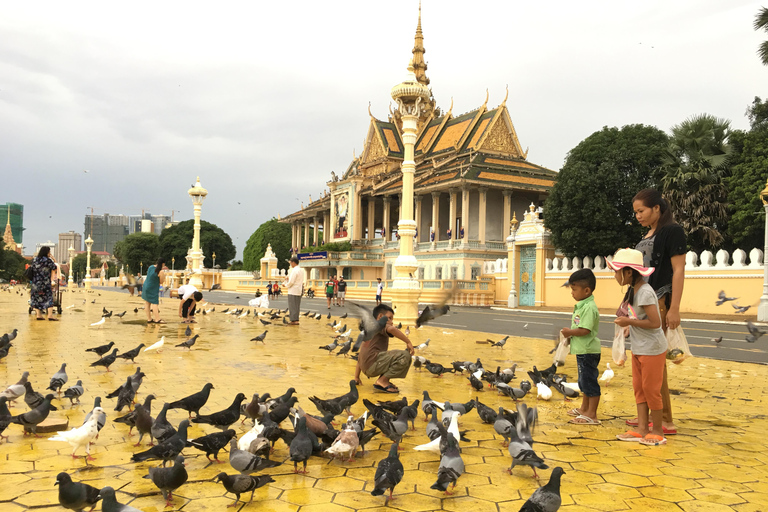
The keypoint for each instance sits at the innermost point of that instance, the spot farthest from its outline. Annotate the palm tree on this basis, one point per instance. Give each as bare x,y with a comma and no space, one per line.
761,23
696,163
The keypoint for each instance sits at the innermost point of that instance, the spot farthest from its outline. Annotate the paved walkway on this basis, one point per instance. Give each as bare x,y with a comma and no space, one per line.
718,462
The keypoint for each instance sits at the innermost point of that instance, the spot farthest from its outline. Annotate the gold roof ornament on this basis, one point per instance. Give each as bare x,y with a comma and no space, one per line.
10,244
419,64
764,195
514,222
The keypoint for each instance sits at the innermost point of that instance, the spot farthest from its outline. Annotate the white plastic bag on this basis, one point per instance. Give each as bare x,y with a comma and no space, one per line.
619,350
677,346
562,351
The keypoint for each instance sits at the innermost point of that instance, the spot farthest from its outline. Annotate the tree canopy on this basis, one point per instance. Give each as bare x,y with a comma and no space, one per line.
176,240
589,210
271,232
137,249
78,264
761,23
11,264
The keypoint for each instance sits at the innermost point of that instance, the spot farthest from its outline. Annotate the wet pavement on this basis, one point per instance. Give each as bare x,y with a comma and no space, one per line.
717,462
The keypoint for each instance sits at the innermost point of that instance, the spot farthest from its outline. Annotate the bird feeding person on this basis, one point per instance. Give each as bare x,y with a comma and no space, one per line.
295,287
151,292
189,296
376,361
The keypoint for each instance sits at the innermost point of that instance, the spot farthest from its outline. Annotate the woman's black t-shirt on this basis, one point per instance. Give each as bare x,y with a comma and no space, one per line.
668,241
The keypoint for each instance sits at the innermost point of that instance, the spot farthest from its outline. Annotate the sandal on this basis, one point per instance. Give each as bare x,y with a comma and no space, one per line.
653,440
150,321
40,318
584,420
574,412
630,436
667,431
53,319
388,389
159,322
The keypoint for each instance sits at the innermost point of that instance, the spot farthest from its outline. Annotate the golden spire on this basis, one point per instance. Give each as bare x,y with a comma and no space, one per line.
10,244
419,65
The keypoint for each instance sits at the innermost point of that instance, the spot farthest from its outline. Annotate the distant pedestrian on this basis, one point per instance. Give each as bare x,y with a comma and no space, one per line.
140,284
269,291
151,292
295,286
329,287
41,293
336,289
379,290
342,287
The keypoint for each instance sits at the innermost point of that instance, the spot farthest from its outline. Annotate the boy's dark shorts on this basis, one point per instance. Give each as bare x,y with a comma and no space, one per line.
588,373
186,310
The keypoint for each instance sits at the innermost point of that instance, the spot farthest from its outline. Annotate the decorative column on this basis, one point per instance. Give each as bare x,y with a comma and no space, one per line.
464,216
482,211
327,231
436,216
452,214
417,218
762,310
511,259
507,211
197,193
405,289
316,233
306,232
87,279
387,214
357,214
371,216
71,252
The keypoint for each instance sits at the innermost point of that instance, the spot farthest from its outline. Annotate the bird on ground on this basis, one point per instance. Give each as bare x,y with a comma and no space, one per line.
525,327
302,446
224,418
393,429
475,382
428,405
101,418
281,410
500,343
101,349
99,323
31,419
389,473
125,396
568,392
344,350
246,462
740,309
330,347
260,337
345,444
213,443
5,418
424,345
167,450
131,354
74,392
369,326
4,350
132,418
439,439
264,322
193,402
106,361
81,436
32,398
722,298
437,369
487,415
240,484
543,391
358,342
136,379
522,454
121,315
76,495
169,479
546,498
253,409
451,466
10,336
515,393
161,429
607,375
158,345
59,379
717,340
503,426
15,391
109,502
188,344
188,332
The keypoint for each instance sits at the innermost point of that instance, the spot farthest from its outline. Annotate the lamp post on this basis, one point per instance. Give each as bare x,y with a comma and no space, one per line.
141,268
214,260
71,252
87,278
762,310
410,96
197,193
511,257
173,263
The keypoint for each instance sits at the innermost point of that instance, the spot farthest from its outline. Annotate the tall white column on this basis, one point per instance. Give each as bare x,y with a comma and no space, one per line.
507,212
436,216
327,231
482,212
371,218
306,232
762,310
417,218
452,214
387,214
316,234
465,215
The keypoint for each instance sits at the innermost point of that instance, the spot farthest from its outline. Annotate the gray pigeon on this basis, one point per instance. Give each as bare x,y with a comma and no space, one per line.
59,379
344,349
74,392
260,337
162,429
369,326
31,419
130,418
388,473
522,454
451,466
5,417
188,332
75,495
125,396
239,484
246,462
109,502
32,398
167,450
394,429
546,498
503,426
302,446
188,344
358,342
14,391
169,479
331,346
213,443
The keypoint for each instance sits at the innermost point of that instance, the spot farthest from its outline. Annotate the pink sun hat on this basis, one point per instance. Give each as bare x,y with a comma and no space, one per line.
631,258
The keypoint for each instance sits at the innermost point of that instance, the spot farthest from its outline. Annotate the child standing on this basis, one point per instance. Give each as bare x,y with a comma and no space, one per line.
649,345
585,344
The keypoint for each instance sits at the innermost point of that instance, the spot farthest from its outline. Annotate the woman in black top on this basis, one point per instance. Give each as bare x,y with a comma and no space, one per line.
41,295
663,248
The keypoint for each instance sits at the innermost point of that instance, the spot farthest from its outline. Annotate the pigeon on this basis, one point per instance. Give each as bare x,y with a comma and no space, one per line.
503,426
487,415
101,349
106,361
475,382
345,444
301,447
239,484
169,479
193,402
451,466
716,340
543,391
358,342
331,346
439,440
546,498
121,315
32,398
344,349
740,309
253,409
31,419
568,392
136,379
191,341
74,392
264,322
607,374
437,369
260,337
15,391
156,346
437,310
140,418
100,322
369,326
59,379
246,462
188,332
427,405
5,417
223,419
4,350
81,436
162,429
125,396
109,502
515,393
75,495
722,298
500,343
131,354
213,443
167,450
424,345
389,473
393,429
522,454
754,332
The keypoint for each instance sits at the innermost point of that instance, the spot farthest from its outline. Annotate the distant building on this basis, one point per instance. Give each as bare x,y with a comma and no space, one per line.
106,230
16,219
67,240
161,222
50,244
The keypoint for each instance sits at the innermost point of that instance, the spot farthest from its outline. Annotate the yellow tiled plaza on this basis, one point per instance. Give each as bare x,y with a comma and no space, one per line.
718,461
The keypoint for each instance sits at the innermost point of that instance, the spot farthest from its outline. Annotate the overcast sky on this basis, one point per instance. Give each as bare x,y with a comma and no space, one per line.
263,100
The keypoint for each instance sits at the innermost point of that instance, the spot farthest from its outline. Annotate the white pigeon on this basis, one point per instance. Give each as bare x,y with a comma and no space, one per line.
245,313
338,327
572,385
208,310
346,443
83,435
607,375
70,307
245,441
423,345
203,304
14,391
157,345
478,373
346,334
544,393
434,445
100,322
446,332
525,327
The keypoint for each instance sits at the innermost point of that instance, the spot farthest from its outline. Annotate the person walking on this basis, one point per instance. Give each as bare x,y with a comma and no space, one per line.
295,287
342,287
41,294
151,292
379,290
329,287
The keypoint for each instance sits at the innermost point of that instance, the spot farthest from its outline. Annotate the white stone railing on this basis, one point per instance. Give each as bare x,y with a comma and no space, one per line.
498,266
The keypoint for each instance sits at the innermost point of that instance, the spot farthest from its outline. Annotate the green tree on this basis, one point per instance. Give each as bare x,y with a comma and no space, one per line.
271,232
236,265
176,240
761,23
11,264
696,165
748,178
138,251
79,261
589,210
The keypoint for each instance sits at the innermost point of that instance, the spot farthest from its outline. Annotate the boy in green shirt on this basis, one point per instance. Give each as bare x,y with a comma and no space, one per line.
585,344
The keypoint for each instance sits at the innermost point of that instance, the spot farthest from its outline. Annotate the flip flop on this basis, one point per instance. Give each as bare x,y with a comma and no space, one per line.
574,412
584,420
388,389
53,319
653,440
630,436
667,431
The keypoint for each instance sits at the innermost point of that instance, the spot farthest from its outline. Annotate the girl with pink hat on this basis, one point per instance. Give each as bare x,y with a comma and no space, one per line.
649,345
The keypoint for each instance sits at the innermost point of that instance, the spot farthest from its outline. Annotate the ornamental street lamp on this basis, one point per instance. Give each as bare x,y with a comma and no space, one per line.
762,310
87,278
512,255
214,260
141,268
71,252
173,263
197,193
